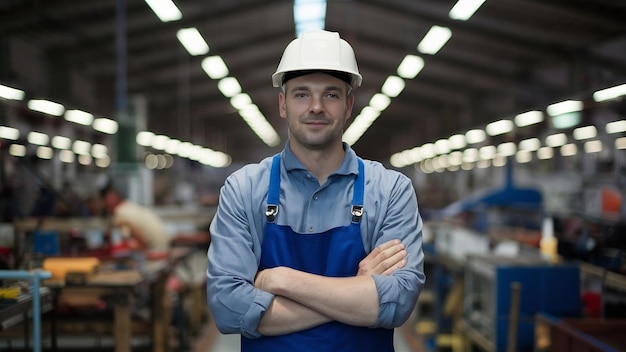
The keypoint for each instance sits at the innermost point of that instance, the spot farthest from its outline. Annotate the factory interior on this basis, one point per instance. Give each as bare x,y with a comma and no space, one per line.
508,117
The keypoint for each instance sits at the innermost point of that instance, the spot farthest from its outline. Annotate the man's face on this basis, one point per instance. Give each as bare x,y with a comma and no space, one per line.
317,107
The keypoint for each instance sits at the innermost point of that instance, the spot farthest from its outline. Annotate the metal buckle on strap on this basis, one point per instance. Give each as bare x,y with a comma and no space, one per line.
357,212
270,212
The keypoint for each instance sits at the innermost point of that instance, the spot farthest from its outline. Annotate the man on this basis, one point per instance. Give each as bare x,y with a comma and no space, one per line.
315,249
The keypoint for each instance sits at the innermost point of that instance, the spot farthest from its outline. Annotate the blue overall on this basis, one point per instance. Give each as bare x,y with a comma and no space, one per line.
333,253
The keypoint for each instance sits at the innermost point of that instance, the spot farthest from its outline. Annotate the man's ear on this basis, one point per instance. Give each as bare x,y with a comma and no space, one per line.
282,105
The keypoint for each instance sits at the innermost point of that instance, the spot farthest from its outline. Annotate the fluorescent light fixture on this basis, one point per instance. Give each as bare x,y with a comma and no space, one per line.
84,159
380,101
499,127
586,132
78,116
165,10
616,127
393,86
61,142
566,120
46,107
159,141
487,152
192,40
361,123
620,143
442,146
17,150
410,66
428,150
105,125
434,40
215,67
545,153
171,146
528,118
241,100
309,15
44,152
569,149
456,158
464,9
38,138
99,150
530,144
81,147
556,140
9,133
507,149
103,162
229,86
11,93
483,164
470,155
457,141
594,146
475,136
523,156
498,161
144,138
564,107
184,149
610,93
67,156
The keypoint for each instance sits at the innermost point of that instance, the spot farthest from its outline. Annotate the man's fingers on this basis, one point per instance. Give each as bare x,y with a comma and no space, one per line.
384,259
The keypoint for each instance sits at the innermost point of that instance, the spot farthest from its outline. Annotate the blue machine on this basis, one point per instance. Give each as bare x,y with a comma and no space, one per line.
545,287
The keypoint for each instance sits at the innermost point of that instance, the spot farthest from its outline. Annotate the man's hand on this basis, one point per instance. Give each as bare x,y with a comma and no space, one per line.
384,259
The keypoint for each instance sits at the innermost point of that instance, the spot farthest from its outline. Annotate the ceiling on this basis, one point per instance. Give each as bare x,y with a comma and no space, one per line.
511,56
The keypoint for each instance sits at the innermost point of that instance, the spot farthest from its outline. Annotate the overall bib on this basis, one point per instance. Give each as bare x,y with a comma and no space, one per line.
334,253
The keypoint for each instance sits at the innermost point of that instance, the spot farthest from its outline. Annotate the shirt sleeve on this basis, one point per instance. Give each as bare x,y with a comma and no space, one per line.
236,305
398,292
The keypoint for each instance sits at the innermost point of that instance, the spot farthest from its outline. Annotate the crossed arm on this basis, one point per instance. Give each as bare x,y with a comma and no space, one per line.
306,300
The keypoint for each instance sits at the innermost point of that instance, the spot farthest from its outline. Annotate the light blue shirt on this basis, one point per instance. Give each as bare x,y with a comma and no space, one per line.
390,212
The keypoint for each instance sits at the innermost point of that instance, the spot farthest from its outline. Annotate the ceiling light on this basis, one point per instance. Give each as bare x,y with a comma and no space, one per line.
464,9
499,127
38,138
229,86
171,146
159,141
428,150
507,149
44,152
528,118
487,152
192,40
46,107
593,146
215,67
79,117
556,140
457,141
470,155
84,159
433,40
530,144
564,107
309,15
99,150
103,162
616,127
393,86
184,149
620,143
523,156
144,138
165,10
610,93
17,150
442,146
241,100
585,132
105,125
9,133
67,156
475,136
569,149
380,102
11,93
61,142
545,153
410,66
81,147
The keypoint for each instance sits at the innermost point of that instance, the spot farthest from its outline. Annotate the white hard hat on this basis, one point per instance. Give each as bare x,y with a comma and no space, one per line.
318,51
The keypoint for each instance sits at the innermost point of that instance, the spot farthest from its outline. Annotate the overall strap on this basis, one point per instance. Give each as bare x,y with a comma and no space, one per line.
357,195
273,195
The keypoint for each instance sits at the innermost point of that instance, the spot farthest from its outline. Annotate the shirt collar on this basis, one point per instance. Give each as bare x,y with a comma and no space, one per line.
348,166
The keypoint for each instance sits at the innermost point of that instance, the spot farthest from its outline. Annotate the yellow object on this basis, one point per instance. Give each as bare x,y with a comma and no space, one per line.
9,292
60,266
548,243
